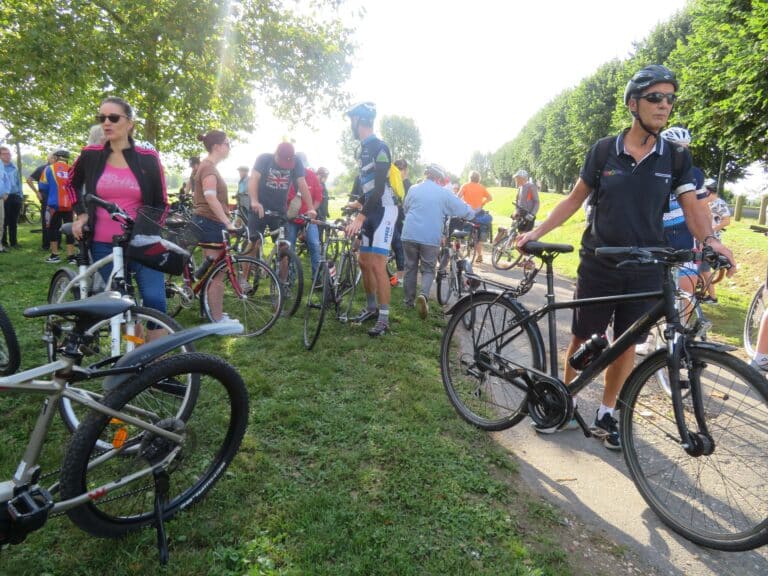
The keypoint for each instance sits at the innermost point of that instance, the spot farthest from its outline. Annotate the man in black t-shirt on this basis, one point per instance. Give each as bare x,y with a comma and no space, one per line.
33,181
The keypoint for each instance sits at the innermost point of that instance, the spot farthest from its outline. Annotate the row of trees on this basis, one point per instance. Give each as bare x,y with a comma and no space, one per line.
184,64
719,52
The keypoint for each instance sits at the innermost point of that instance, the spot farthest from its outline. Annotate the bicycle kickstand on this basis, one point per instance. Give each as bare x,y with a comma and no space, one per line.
582,423
162,484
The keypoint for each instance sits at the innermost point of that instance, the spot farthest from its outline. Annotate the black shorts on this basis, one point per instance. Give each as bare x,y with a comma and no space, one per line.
54,220
596,278
258,225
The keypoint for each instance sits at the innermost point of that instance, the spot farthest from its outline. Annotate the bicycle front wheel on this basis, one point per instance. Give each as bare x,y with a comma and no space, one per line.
250,294
715,500
478,364
318,301
137,326
349,276
99,451
504,256
10,353
753,320
447,284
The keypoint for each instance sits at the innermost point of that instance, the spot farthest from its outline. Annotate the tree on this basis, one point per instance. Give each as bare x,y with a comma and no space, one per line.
186,65
483,164
402,136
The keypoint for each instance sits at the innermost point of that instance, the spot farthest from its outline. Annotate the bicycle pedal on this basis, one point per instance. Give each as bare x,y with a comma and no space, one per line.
28,511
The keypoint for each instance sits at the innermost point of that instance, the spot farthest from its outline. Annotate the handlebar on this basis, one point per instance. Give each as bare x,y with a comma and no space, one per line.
113,209
665,256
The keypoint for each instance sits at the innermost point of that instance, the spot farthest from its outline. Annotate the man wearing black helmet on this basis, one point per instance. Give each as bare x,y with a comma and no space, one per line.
631,187
376,219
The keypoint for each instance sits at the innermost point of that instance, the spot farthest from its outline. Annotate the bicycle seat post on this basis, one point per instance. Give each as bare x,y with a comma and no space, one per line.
551,315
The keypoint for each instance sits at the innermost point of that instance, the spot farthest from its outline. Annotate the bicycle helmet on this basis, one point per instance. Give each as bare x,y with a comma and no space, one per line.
677,135
647,77
436,171
62,153
363,110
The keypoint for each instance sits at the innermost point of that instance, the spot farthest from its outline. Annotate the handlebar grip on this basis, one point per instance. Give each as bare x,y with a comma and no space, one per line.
108,206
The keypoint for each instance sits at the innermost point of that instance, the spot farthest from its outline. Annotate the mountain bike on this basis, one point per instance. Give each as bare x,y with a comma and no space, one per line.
113,337
697,455
137,459
10,354
755,311
333,285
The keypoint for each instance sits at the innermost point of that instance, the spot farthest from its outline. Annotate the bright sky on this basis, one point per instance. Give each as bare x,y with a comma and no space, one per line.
470,74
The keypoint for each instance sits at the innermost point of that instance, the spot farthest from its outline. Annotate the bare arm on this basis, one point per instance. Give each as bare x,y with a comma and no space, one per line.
699,222
253,192
209,193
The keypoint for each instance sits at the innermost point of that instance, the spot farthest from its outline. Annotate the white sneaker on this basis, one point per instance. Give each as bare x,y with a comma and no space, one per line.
762,368
224,318
646,347
422,306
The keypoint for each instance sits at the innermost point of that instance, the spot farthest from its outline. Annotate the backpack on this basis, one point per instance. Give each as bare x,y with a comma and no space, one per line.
396,182
59,175
602,148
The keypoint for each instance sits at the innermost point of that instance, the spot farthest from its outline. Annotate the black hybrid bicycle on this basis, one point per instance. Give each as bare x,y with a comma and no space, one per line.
696,451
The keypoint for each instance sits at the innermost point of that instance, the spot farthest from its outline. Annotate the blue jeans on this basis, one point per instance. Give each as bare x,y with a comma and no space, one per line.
151,282
311,237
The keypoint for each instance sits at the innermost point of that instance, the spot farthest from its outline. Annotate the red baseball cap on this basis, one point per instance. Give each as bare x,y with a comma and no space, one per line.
285,156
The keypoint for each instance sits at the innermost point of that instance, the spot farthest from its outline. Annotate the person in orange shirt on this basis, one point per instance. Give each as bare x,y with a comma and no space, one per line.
477,196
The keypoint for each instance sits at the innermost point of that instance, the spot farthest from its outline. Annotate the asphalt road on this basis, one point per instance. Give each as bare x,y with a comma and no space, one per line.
580,475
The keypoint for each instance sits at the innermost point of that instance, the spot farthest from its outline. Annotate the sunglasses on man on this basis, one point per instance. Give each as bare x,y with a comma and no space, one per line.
113,118
656,97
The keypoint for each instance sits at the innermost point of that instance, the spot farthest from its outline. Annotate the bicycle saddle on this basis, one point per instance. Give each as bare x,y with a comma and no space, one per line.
92,309
540,248
459,234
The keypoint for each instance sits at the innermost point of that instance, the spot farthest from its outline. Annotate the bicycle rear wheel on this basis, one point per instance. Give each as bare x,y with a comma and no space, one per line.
318,301
10,353
717,500
31,213
504,256
138,325
753,320
256,302
447,283
292,284
481,366
211,437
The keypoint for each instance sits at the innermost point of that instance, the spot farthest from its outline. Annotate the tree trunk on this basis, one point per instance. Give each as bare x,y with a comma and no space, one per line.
738,208
763,206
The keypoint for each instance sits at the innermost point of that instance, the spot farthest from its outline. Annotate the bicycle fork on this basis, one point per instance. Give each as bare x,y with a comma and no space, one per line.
698,443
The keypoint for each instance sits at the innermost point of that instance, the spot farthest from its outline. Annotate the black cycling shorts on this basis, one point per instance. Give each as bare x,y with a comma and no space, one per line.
595,278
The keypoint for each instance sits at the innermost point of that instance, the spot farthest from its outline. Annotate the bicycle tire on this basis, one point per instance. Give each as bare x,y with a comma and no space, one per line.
10,353
293,287
178,294
505,249
753,320
346,285
147,319
716,500
259,306
486,401
318,300
446,283
56,294
31,213
213,432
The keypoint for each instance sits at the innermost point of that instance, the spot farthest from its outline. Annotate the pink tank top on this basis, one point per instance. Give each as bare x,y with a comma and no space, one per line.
120,186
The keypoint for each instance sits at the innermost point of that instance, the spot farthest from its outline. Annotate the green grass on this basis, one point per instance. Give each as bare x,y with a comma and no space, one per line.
354,463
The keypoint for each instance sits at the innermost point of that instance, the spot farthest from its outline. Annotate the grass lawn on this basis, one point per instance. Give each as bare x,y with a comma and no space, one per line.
354,461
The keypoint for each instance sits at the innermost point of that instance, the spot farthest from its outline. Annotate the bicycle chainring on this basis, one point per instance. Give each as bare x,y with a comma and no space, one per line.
550,405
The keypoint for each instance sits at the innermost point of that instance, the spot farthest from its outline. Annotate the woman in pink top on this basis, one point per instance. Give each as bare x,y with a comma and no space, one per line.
131,176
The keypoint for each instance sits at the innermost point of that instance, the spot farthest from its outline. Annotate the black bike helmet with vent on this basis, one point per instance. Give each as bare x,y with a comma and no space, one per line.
61,153
647,77
363,110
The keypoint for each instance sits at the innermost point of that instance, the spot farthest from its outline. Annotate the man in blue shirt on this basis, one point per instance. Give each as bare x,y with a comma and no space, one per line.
376,219
426,207
5,189
14,200
632,188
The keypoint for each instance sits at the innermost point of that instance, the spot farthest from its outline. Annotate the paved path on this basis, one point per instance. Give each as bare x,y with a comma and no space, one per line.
582,476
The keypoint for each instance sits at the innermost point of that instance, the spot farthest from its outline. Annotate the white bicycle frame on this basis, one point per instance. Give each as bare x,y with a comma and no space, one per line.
85,281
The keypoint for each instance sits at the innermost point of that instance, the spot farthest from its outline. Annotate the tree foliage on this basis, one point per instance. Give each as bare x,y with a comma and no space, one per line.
186,65
719,52
402,136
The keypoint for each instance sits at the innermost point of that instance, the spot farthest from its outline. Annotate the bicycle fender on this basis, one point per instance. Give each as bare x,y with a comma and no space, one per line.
465,297
146,353
717,346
